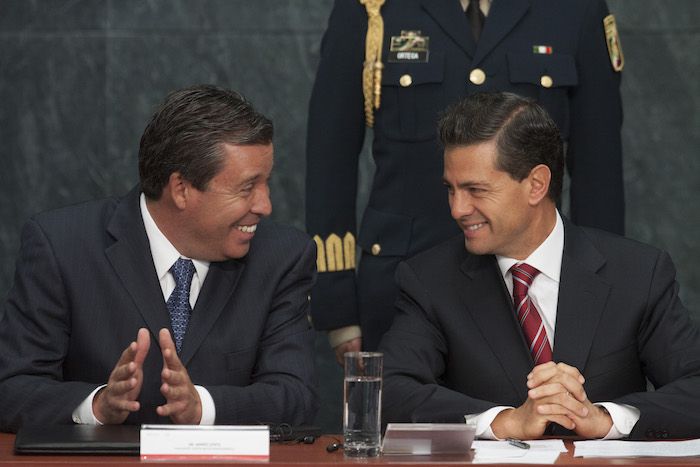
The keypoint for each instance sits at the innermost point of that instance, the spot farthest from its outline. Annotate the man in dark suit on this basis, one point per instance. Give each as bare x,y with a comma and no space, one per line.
475,335
552,50
215,297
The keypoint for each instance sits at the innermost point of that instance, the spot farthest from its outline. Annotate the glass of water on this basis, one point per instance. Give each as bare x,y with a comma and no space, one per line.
362,399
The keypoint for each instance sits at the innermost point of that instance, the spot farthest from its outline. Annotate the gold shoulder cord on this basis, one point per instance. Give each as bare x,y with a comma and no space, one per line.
372,71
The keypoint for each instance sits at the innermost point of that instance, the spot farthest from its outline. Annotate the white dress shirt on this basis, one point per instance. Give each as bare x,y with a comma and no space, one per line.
544,293
164,256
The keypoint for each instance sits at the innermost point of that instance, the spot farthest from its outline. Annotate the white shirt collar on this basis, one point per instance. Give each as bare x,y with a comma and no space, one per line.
485,5
546,258
163,252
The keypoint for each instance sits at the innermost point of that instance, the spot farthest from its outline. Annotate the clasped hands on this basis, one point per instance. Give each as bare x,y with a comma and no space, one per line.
555,395
112,404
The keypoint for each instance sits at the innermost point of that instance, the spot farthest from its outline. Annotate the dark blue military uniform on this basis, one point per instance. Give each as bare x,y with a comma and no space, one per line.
552,50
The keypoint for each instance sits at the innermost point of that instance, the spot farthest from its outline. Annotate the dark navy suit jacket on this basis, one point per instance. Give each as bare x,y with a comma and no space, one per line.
456,347
408,210
85,283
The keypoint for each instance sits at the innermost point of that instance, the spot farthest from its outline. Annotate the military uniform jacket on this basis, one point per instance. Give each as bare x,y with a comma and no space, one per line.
570,72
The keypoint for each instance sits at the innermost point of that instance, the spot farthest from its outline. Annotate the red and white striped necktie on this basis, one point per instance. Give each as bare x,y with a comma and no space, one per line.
528,316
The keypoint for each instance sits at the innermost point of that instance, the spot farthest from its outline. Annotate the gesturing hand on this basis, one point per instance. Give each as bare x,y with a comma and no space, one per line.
183,405
112,404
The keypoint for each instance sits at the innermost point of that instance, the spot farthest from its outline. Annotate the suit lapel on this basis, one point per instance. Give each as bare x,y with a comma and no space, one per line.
582,296
502,18
486,298
216,292
130,256
449,15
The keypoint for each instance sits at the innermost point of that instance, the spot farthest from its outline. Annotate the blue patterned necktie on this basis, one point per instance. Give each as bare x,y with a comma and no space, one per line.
179,301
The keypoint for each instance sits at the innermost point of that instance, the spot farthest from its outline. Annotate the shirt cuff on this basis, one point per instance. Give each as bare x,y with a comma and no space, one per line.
341,335
624,417
482,422
208,407
83,414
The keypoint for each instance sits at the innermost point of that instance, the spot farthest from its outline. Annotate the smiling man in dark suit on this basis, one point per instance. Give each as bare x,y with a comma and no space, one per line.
537,326
215,297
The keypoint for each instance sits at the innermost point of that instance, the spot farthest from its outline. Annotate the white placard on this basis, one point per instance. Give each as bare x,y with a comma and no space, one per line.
211,442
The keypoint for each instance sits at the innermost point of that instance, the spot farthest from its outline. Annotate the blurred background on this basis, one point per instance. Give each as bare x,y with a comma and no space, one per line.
79,80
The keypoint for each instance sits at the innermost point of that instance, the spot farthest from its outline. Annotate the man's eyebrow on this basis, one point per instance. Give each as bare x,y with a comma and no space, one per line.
250,179
467,183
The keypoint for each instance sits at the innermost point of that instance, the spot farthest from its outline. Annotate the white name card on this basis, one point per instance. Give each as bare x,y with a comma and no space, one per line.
210,442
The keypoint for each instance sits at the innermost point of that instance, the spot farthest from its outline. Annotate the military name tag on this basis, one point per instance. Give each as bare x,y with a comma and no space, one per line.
410,46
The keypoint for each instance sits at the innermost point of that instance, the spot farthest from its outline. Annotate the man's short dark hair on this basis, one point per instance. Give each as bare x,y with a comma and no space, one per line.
524,133
187,132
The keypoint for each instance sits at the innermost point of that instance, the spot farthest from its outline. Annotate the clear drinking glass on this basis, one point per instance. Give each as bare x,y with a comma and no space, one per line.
362,399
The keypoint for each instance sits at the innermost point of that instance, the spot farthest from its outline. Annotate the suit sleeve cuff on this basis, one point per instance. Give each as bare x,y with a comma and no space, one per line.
344,334
208,407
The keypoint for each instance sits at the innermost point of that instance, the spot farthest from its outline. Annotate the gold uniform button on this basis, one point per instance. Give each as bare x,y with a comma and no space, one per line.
477,76
546,81
376,248
405,80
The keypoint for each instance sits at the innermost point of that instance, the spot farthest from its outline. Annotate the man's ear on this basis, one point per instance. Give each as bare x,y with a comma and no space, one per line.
539,179
178,189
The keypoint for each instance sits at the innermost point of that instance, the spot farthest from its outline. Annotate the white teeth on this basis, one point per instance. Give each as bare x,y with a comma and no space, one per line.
474,227
247,228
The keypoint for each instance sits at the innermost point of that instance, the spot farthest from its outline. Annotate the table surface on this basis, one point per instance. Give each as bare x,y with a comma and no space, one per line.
315,455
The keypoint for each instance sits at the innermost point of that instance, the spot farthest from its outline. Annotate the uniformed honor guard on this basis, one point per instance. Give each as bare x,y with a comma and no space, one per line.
394,66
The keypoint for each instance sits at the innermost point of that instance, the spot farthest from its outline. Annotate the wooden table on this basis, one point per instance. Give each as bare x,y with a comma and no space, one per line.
313,455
